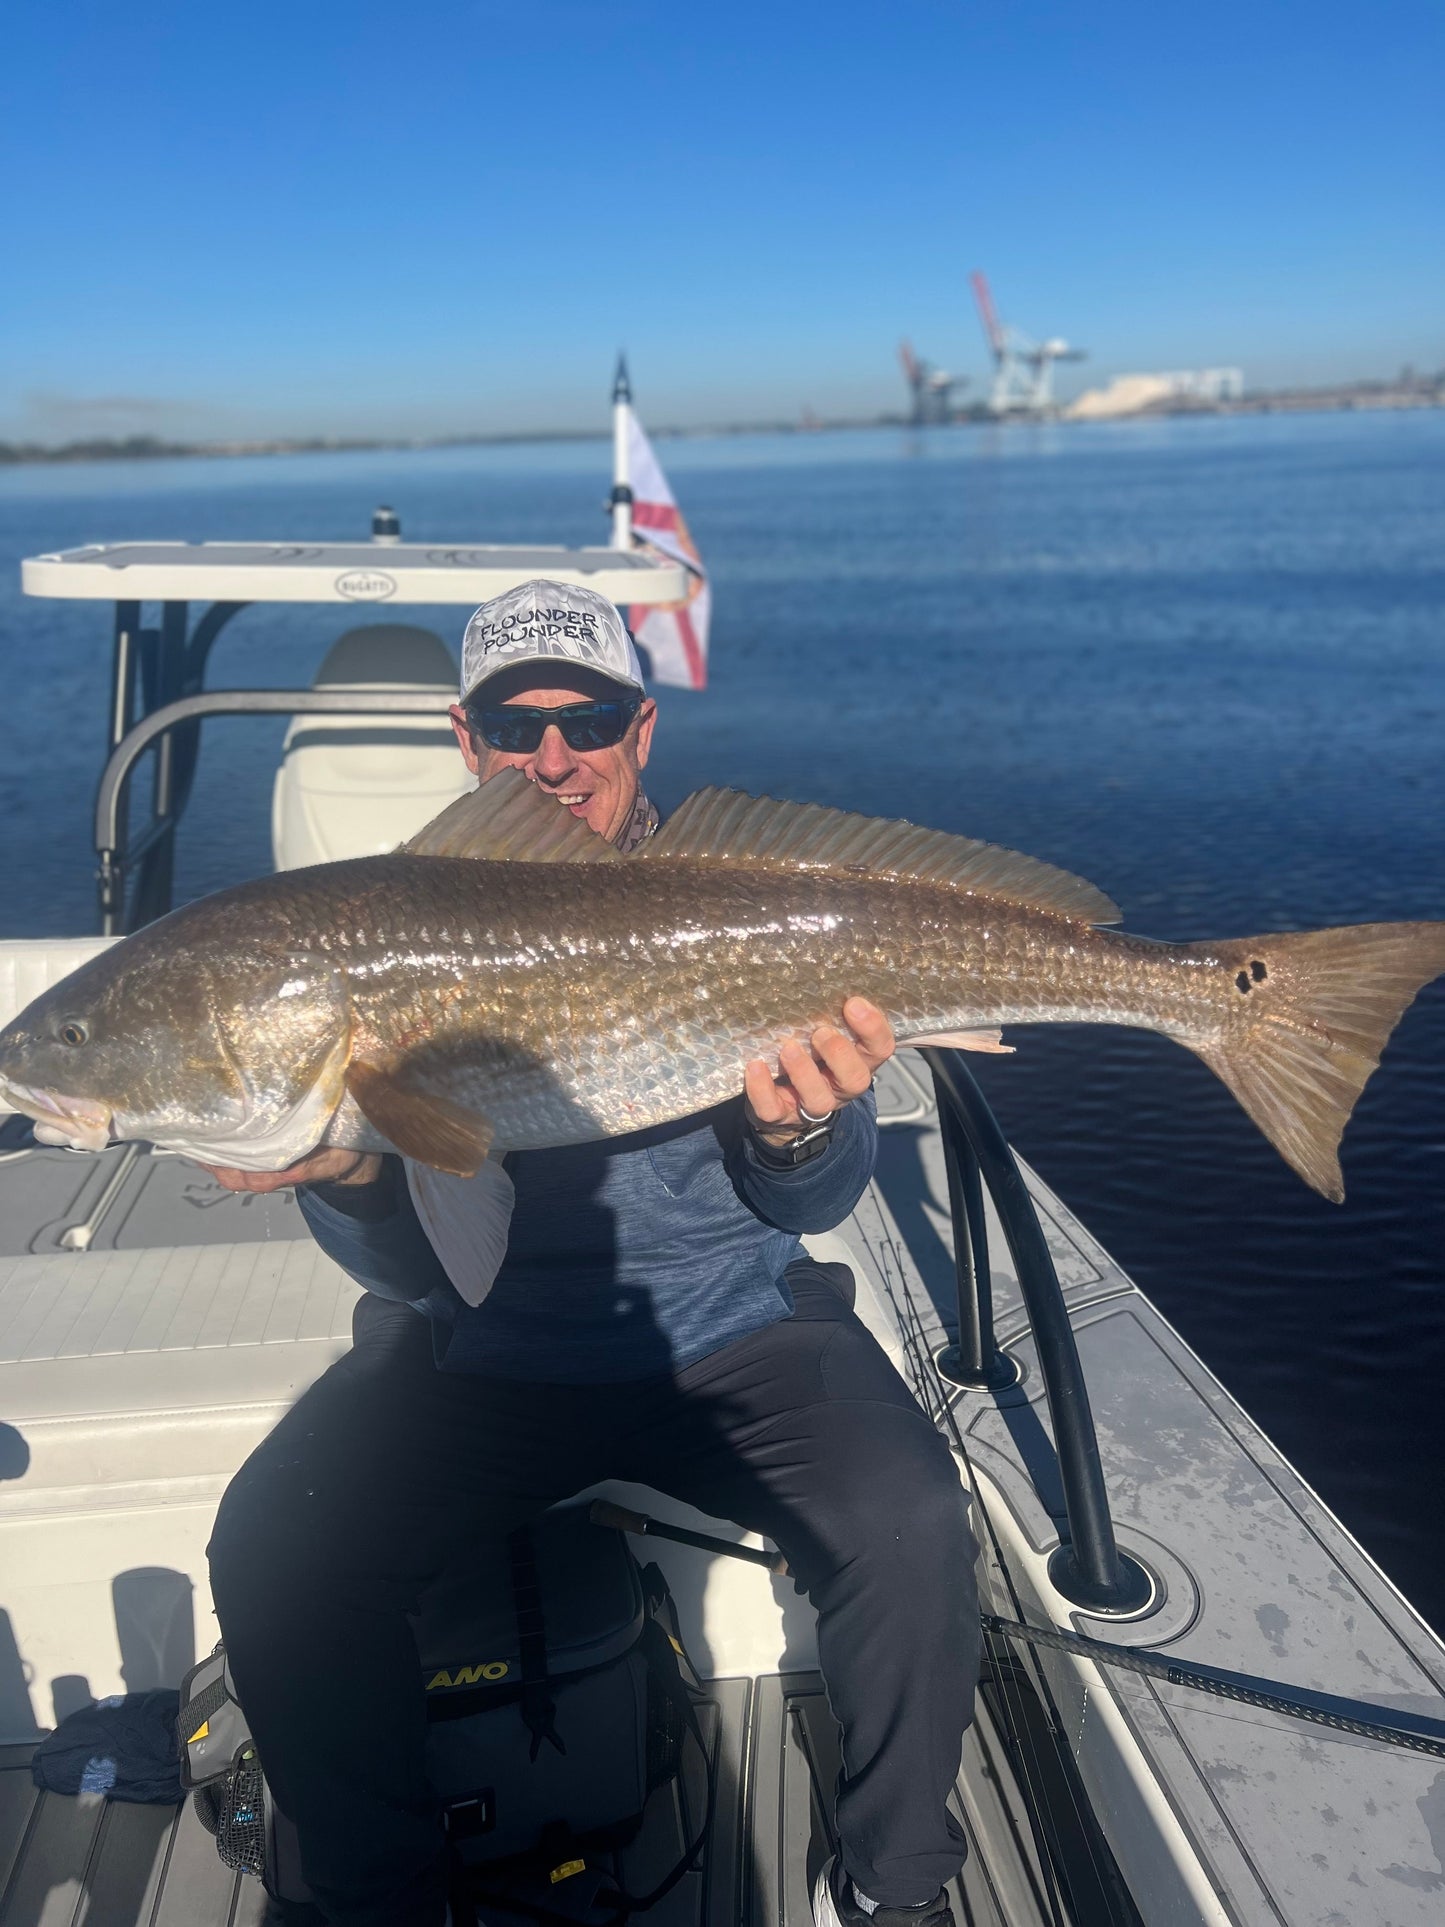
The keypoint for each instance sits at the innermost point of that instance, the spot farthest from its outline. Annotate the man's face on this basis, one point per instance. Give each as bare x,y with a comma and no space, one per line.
600,785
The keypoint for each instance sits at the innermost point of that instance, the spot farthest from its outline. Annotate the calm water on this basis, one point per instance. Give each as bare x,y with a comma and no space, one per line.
1202,663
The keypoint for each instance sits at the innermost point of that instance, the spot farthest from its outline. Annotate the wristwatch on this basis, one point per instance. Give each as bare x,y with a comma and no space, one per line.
811,1142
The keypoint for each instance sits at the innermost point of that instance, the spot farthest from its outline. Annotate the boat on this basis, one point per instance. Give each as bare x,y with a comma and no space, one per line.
1202,1700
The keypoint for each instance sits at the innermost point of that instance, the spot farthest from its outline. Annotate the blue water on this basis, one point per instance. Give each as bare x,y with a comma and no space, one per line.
1201,662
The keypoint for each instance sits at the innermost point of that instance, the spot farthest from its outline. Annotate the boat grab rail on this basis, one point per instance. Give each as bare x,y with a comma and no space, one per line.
1088,1568
117,854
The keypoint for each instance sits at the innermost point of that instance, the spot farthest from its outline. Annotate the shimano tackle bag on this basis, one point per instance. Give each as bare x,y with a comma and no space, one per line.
556,1703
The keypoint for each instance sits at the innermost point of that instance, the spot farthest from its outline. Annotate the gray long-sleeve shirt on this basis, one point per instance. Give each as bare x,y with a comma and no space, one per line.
625,1260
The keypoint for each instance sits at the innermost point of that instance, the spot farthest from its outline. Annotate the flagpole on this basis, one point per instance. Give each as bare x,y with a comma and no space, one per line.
621,481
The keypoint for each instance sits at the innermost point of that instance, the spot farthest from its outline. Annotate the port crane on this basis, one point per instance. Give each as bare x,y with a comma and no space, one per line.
931,389
1023,370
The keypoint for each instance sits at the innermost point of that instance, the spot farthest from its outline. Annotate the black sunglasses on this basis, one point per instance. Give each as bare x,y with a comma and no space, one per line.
518,730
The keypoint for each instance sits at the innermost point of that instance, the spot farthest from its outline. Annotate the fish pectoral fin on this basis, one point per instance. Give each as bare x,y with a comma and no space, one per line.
759,832
985,1040
509,820
422,1125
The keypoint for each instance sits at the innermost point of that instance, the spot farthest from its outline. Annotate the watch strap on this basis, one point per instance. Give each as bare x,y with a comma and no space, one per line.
808,1144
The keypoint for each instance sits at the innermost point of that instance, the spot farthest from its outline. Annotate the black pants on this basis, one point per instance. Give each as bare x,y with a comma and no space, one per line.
803,1432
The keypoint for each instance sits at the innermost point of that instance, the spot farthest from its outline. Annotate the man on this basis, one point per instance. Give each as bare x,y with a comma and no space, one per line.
653,1319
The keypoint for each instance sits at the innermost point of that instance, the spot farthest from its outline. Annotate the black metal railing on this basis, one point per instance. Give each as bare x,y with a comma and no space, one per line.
170,731
1088,1569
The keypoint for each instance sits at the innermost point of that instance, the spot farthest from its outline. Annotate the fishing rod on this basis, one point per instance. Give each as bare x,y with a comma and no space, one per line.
1415,1732
602,1512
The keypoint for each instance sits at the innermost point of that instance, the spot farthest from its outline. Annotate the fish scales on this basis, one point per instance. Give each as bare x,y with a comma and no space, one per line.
442,1003
627,993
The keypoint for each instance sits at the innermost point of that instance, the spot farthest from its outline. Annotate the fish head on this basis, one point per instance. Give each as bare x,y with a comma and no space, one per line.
220,1051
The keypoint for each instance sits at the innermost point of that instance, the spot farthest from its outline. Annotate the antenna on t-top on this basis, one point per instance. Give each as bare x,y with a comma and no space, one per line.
621,502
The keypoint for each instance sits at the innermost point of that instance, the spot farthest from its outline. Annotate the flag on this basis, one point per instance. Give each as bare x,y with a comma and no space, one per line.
674,634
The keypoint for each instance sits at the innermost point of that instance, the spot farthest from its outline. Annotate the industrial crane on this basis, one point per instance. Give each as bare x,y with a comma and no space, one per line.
1023,370
931,389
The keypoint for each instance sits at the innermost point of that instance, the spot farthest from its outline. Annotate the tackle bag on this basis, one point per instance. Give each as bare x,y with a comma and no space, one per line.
556,1703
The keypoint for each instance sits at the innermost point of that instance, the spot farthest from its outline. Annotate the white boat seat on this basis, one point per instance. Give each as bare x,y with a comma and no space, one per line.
359,785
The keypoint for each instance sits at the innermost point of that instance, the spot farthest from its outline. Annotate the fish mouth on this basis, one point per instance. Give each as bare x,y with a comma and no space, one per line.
64,1120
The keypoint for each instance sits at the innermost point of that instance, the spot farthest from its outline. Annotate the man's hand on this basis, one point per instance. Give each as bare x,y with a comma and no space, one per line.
819,1080
326,1166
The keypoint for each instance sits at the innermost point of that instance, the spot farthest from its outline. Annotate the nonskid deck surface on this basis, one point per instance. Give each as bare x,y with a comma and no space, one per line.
1295,1823
88,1862
129,1198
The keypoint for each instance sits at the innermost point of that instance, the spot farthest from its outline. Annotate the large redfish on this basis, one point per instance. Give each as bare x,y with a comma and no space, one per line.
509,979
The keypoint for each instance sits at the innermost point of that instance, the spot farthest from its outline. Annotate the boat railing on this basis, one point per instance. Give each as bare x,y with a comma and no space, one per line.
144,860
1088,1568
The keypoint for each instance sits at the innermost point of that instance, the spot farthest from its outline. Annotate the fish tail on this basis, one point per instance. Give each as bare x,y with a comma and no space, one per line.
1318,1006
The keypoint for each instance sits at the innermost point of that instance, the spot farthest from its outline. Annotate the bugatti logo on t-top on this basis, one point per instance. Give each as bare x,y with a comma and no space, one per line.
365,585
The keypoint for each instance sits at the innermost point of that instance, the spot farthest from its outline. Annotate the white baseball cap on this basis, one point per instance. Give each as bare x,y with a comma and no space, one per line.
542,621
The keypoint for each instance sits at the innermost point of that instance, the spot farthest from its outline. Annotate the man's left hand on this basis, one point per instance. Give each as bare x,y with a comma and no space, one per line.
819,1077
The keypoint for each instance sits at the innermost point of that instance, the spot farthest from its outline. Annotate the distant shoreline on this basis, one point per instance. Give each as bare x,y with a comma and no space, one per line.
1352,396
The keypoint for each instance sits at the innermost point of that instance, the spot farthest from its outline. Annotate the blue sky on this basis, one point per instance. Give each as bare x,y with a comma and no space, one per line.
361,218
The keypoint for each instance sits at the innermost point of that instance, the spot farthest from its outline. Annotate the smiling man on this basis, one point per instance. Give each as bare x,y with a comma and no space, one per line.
648,1313
552,686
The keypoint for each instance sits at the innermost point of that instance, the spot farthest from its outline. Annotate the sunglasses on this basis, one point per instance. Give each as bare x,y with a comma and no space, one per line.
519,730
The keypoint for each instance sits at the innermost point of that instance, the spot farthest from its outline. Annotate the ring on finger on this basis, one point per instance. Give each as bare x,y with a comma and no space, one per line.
808,1117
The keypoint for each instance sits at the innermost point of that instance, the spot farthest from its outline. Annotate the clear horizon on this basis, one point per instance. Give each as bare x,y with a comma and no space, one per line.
324,222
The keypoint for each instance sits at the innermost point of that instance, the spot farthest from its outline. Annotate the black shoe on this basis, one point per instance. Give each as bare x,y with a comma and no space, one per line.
292,1913
834,1906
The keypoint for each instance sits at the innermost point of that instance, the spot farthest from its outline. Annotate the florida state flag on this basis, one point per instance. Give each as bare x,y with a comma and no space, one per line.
674,634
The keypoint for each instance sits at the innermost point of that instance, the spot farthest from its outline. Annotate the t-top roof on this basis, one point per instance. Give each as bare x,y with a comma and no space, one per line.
338,572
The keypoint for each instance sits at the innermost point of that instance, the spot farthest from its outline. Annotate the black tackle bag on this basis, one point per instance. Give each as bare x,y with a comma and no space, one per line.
558,1698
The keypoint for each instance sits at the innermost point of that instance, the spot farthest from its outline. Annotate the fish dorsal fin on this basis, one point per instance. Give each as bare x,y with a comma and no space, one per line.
510,820
724,826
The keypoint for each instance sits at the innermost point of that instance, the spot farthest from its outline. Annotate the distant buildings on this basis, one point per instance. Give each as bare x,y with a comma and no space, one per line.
1132,394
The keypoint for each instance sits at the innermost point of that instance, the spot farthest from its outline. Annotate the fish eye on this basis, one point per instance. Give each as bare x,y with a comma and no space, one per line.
72,1032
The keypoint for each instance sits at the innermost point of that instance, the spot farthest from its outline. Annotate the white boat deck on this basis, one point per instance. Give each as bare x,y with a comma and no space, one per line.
135,1374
